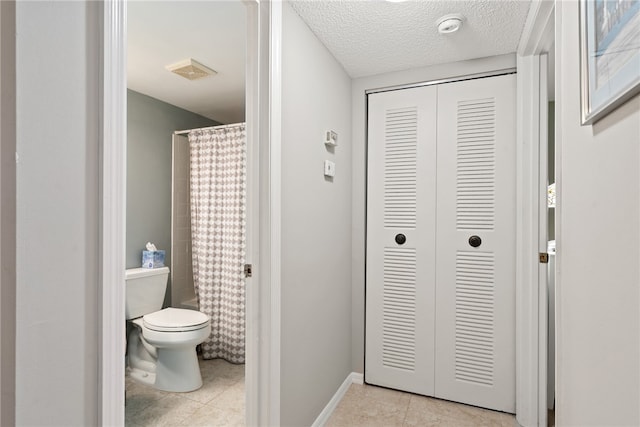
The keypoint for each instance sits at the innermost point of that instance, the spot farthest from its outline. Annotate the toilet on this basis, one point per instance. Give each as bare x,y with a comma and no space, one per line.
161,349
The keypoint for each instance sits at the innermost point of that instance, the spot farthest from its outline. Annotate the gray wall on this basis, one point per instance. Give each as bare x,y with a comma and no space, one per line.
150,125
598,261
7,212
316,225
182,289
58,128
358,143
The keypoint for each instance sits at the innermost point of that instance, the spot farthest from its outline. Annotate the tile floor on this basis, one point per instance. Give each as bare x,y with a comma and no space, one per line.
219,402
370,406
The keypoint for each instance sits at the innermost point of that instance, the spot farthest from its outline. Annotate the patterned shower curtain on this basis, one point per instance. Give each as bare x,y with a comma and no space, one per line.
218,170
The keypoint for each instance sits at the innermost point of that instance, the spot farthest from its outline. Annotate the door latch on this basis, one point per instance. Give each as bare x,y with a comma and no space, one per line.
544,258
248,270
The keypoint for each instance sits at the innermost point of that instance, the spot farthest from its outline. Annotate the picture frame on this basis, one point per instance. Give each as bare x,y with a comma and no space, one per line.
609,55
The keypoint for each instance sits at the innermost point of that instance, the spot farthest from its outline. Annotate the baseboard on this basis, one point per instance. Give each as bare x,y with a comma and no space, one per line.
352,378
357,378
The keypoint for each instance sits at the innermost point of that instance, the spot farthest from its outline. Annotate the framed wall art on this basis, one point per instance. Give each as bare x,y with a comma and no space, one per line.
610,55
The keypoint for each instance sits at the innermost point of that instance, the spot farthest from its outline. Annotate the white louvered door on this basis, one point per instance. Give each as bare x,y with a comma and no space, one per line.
400,290
440,313
475,297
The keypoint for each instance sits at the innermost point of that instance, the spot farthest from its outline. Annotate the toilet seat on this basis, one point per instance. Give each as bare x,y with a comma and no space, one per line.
175,320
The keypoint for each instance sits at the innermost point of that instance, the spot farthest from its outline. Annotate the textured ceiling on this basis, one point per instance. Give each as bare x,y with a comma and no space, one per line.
373,36
368,37
161,33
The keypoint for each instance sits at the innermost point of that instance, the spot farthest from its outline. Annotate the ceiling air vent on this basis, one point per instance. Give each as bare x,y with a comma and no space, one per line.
191,69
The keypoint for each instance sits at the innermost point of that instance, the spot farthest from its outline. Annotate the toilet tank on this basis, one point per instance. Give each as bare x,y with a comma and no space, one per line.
145,289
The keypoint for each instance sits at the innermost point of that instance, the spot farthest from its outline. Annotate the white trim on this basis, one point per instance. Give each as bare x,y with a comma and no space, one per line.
352,378
357,378
531,306
527,241
273,215
558,220
543,300
492,73
253,349
537,34
113,214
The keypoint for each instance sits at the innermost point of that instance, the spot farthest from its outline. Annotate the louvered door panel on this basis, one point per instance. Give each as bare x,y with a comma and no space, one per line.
400,285
399,309
475,164
475,315
400,160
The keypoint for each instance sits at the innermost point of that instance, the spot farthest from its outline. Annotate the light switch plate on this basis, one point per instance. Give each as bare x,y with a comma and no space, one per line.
329,168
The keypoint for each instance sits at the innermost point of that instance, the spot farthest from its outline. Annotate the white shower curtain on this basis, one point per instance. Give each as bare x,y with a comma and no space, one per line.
218,170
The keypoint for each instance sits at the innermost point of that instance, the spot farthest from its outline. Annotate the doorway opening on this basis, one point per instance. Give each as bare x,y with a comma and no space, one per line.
167,93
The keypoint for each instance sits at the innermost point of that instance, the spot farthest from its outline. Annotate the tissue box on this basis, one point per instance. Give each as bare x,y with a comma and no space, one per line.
152,259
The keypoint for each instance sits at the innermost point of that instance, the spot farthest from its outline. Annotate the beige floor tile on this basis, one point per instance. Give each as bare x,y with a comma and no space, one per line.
140,396
426,411
218,368
232,398
382,415
509,420
223,381
210,415
211,389
423,412
370,406
129,423
168,411
377,394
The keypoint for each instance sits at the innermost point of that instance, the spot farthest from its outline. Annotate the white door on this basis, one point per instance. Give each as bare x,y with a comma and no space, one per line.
440,312
402,189
475,291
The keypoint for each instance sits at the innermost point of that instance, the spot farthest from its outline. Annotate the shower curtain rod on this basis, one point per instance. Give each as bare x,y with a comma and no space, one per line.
180,132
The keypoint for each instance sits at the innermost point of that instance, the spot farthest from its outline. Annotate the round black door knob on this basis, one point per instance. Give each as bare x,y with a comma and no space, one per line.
400,239
475,241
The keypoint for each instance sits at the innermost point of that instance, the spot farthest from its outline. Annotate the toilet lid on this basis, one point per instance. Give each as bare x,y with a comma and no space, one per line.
175,320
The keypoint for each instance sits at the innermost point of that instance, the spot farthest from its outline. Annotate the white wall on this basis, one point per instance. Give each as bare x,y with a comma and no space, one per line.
316,225
359,87
7,212
57,202
598,335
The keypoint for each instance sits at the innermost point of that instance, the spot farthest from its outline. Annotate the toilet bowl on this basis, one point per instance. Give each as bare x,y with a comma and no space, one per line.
161,347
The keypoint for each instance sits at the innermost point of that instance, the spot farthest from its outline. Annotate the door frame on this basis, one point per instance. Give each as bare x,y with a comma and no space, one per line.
531,290
262,379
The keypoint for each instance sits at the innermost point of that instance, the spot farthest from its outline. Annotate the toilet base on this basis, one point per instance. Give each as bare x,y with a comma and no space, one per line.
163,365
177,370
144,377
